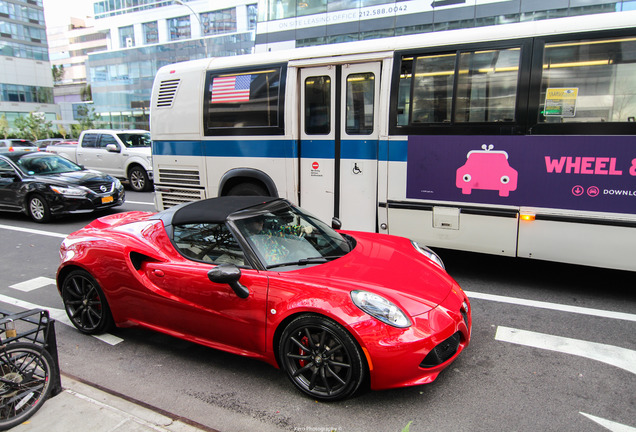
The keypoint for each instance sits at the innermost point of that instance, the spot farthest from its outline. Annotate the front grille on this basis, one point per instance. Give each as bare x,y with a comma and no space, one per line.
442,352
171,196
101,188
179,176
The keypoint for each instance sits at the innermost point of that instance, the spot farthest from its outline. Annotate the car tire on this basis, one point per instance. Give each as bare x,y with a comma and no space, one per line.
138,179
85,303
321,358
38,208
247,189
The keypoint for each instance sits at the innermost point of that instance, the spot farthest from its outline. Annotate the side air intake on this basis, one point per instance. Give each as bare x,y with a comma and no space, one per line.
167,92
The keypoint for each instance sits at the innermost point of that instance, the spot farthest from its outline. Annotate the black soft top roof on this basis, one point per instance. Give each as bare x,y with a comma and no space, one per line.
212,210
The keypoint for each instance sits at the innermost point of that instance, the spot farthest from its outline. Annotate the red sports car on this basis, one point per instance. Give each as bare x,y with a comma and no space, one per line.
260,277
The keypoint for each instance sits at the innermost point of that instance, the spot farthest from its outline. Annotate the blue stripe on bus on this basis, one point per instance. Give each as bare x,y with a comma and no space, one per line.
316,149
176,148
227,148
396,152
359,149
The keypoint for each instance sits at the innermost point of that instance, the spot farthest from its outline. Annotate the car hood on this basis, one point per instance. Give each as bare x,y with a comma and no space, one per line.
78,178
386,265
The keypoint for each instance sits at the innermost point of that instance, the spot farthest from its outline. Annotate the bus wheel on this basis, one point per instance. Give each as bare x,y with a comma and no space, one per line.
247,188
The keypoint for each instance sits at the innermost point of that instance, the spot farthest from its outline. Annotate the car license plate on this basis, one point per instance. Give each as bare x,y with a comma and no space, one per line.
108,199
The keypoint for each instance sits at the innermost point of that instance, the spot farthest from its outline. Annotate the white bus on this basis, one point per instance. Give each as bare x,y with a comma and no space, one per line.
517,139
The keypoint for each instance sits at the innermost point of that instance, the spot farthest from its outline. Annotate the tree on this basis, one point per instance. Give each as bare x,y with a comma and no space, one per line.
86,93
86,117
4,126
62,131
33,126
58,73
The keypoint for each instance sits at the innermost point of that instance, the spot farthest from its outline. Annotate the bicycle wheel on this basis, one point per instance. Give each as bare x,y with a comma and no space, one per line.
25,382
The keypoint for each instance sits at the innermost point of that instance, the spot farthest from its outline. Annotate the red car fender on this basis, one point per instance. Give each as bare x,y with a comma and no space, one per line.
287,300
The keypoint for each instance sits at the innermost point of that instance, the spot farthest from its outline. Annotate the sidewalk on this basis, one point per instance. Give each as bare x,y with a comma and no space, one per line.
81,407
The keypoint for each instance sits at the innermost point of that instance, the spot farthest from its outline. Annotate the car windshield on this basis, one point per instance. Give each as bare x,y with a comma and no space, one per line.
285,235
46,164
135,139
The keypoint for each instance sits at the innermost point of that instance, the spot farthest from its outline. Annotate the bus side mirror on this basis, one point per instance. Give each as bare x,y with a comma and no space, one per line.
229,274
336,224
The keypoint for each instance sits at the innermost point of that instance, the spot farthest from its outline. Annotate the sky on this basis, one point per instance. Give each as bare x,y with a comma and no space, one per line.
57,12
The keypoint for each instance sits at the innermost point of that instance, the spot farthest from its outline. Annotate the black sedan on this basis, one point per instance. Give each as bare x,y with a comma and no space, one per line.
44,185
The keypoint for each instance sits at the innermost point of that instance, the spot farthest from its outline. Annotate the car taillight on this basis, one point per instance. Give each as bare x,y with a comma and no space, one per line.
11,149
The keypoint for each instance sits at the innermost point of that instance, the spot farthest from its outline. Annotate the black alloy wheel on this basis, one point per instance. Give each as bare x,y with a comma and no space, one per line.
321,358
85,303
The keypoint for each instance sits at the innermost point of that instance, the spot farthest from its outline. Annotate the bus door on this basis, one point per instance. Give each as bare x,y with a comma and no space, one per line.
318,140
339,143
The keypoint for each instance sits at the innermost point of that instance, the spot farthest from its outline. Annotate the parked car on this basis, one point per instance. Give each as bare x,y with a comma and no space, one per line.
61,144
15,144
260,277
43,185
44,143
125,154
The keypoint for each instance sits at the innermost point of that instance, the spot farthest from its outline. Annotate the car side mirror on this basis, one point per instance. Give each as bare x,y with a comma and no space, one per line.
113,148
335,223
229,274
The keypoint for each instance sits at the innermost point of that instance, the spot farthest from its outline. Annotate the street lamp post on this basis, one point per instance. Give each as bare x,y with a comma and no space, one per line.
196,15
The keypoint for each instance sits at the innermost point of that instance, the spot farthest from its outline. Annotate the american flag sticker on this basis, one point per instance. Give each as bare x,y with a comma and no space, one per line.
231,89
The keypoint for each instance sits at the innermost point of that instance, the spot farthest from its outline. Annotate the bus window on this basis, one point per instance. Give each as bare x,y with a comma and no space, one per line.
318,105
487,86
360,94
433,88
245,99
404,91
589,81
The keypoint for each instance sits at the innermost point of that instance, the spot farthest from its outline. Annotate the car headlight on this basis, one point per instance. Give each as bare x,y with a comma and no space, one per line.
71,192
428,253
380,308
117,184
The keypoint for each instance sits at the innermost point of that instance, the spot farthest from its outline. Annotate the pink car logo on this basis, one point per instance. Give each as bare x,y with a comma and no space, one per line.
487,170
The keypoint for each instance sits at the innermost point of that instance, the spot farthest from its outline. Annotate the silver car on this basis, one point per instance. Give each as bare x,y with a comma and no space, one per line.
16,144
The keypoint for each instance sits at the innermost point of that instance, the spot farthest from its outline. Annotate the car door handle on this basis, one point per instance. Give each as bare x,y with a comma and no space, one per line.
158,273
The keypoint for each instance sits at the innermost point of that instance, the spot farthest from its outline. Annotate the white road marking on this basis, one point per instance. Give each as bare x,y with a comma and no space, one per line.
58,315
140,202
608,424
33,231
616,356
553,306
33,284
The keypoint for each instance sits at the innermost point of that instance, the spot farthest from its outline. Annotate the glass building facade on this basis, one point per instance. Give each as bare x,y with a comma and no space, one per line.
26,83
121,78
298,23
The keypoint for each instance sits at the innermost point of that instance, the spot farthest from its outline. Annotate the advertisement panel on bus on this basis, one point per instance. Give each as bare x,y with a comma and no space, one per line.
586,173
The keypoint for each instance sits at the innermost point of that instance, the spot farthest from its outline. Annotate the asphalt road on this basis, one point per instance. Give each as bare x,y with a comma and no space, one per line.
553,349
